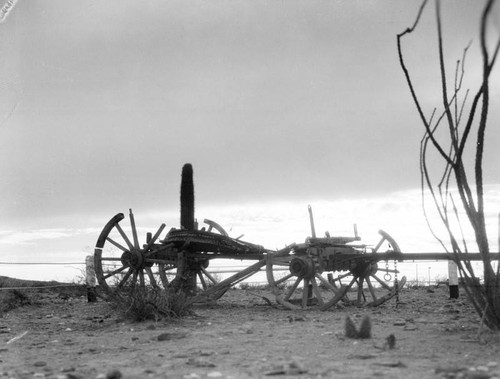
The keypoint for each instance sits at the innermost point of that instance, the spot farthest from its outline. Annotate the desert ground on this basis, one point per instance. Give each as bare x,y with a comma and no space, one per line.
61,335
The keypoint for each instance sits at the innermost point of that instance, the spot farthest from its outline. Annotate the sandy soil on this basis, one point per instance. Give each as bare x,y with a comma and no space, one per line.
244,337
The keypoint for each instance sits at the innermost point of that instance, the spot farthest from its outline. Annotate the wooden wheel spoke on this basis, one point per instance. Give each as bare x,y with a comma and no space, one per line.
151,277
351,283
292,289
153,240
141,278
113,242
375,249
360,290
110,259
317,292
208,275
114,272
202,280
134,279
341,276
283,279
125,278
382,283
370,288
326,283
305,293
124,236
134,230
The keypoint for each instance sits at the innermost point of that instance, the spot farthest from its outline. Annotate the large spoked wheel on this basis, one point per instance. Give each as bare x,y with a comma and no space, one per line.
296,282
171,272
121,261
365,283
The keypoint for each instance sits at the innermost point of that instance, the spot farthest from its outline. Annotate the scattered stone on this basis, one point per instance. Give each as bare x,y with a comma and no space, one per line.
399,323
114,374
40,364
390,342
71,375
191,376
478,375
292,368
68,369
410,328
296,318
449,370
199,362
38,375
391,364
171,336
482,368
214,374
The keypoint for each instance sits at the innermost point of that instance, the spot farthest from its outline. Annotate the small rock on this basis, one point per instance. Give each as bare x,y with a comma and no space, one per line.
399,323
198,362
214,374
391,341
482,368
170,336
492,364
40,364
38,375
191,376
114,374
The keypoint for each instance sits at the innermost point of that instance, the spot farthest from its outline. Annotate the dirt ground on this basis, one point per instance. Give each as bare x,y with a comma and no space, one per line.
244,337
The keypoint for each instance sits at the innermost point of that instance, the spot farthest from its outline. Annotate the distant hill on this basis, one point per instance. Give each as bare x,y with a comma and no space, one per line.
5,281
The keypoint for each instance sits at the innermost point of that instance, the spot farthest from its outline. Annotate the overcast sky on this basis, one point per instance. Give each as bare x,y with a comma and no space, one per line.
102,102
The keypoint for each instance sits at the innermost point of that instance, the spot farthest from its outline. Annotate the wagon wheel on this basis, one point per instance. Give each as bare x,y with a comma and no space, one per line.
302,284
120,260
170,271
364,273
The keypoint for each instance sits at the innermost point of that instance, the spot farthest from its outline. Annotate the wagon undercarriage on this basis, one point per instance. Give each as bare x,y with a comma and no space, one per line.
320,272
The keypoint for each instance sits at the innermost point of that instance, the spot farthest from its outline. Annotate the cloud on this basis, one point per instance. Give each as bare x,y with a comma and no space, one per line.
37,236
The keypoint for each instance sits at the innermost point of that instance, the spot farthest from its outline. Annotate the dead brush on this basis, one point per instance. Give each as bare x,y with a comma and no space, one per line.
147,303
12,299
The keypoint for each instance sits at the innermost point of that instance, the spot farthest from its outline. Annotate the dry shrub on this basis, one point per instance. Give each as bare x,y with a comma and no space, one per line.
146,303
12,299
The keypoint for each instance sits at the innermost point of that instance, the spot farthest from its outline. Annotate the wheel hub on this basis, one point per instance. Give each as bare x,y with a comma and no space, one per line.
302,267
133,259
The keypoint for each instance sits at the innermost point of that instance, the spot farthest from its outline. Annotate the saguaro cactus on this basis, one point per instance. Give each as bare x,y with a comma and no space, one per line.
187,197
186,271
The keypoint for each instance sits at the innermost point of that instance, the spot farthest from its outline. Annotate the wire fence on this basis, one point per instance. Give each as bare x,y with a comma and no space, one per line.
221,271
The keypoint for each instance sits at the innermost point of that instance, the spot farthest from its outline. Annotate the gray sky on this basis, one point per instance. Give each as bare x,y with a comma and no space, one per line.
102,102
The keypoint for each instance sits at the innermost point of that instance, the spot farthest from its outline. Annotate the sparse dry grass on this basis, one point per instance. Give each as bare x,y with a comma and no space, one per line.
146,303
